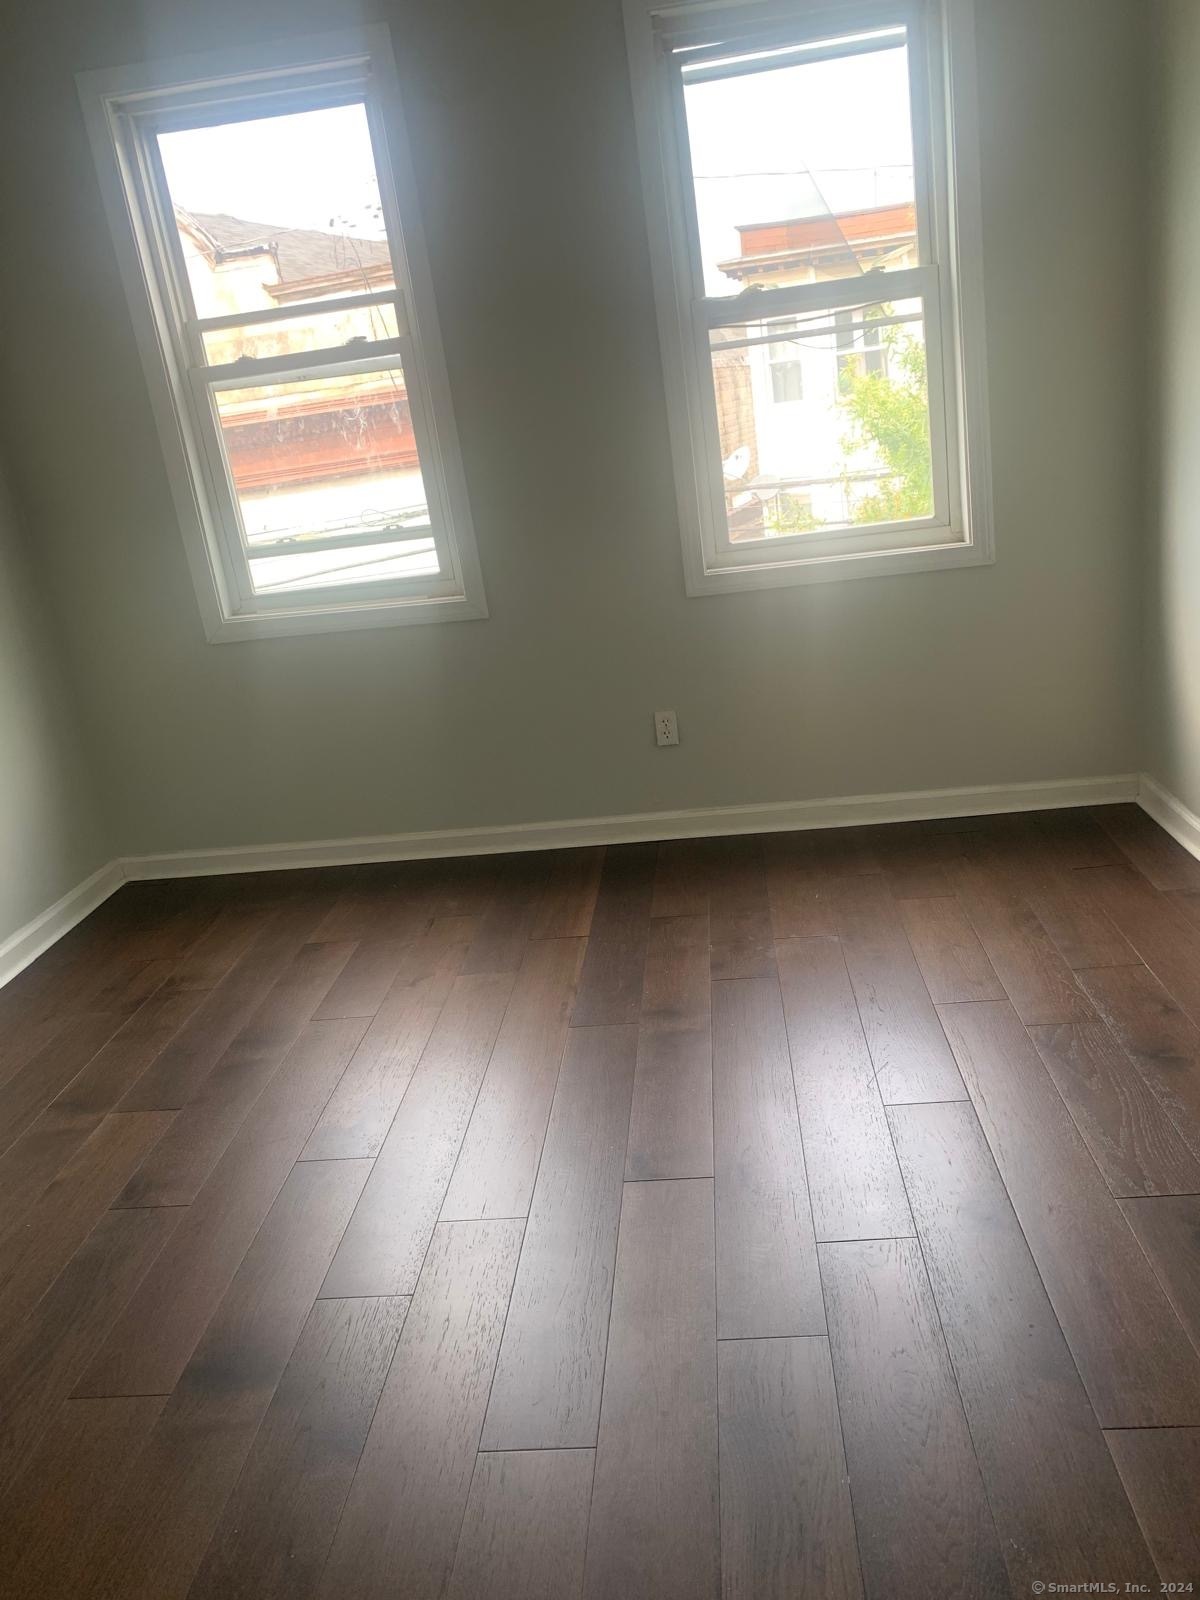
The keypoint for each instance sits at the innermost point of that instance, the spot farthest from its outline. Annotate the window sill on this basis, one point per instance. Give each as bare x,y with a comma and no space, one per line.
230,629
728,579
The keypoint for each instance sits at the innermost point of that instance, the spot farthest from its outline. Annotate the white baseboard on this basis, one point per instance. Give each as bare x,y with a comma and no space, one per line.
27,943
24,946
1170,813
797,814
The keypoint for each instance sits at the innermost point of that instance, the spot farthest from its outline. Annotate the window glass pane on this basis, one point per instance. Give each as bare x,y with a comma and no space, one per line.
803,170
311,330
324,458
852,448
278,209
323,569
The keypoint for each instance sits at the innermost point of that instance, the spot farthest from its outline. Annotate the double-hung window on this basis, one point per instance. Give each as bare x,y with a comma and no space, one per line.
265,214
811,180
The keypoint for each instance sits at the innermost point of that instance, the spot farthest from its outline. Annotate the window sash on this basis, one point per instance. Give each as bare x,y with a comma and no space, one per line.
729,30
136,121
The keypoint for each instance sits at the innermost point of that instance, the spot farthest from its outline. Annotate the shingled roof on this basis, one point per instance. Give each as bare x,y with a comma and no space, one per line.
300,252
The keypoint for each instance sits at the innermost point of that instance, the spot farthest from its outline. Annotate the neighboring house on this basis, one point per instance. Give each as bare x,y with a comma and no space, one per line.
312,455
782,429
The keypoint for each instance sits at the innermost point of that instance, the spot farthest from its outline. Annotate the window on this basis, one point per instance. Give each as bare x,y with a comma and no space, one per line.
811,193
276,275
787,373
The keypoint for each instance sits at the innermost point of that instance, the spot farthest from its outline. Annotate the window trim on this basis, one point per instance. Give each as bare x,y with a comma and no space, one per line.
335,66
950,235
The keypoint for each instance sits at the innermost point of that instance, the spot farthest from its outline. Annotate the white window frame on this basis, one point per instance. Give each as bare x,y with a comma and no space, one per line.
123,110
948,280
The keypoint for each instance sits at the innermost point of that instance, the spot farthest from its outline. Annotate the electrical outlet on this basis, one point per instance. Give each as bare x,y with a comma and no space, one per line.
666,729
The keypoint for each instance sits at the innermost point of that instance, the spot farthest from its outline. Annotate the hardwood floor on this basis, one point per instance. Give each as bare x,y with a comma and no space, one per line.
808,1215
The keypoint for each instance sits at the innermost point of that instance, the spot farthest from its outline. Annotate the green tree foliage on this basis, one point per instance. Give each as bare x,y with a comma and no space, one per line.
889,413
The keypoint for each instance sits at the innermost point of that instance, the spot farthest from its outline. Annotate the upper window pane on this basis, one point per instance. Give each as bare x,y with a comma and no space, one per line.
277,210
802,159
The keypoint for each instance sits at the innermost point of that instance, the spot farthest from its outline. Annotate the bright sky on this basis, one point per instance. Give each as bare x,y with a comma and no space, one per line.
800,141
793,141
312,169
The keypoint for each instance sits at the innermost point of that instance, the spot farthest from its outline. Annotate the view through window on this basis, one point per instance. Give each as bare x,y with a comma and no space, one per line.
803,178
298,334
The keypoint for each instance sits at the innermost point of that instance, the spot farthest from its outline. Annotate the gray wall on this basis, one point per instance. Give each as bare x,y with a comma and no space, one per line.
51,835
1173,476
520,116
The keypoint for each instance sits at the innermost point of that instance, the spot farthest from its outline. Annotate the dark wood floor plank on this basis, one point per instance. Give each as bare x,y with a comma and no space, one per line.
43,1357
681,887
27,1166
49,1071
670,1129
1160,1468
387,901
41,1243
1082,934
383,1248
221,945
1056,1501
654,1532
188,1060
546,1393
498,1161
359,1114
466,885
835,852
787,1527
1162,1040
915,865
610,983
677,991
1036,979
909,1050
1167,941
361,987
953,963
740,925
1168,1229
127,991
177,1487
20,1040
1132,1353
1036,862
191,1055
152,1342
1152,850
924,1527
199,1135
853,1178
767,1279
525,1530
1132,1139
1074,837
279,1522
800,892
568,899
1188,902
57,1514
509,922
401,1523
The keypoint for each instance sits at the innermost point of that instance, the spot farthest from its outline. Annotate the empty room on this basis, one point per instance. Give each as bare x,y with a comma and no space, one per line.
599,799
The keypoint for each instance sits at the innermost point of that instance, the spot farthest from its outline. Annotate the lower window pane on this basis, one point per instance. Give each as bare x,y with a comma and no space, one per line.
326,458
824,420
